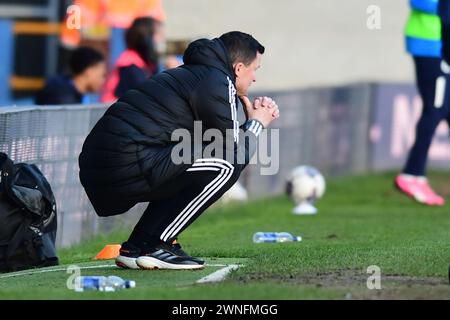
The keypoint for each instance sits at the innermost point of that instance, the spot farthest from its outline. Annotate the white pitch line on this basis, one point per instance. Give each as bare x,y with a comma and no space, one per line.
30,272
218,275
216,265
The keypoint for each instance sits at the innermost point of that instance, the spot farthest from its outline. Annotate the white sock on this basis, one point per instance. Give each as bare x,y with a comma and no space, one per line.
408,176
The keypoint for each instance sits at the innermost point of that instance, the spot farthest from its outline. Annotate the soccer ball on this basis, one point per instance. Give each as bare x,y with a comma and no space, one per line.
305,185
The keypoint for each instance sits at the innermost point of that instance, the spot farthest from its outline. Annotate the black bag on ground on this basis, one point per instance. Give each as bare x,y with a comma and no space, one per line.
27,217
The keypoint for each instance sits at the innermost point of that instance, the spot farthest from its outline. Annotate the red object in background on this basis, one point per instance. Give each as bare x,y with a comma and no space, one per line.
127,58
97,17
110,251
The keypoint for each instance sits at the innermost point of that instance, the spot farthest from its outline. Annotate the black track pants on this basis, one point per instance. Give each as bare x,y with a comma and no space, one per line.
434,87
182,200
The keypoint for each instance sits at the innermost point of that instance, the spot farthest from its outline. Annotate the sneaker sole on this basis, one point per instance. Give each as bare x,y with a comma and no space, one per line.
126,262
150,263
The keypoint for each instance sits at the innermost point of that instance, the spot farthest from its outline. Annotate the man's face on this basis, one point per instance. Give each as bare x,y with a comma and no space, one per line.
96,76
246,75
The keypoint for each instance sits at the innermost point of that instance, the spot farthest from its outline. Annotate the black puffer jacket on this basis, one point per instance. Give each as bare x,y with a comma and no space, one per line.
127,153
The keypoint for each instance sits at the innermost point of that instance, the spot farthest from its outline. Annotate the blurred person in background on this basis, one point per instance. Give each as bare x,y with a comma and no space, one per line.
87,75
428,41
139,61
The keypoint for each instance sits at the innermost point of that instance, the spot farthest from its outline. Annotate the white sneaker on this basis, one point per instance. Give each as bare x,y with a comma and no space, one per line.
168,257
126,262
127,256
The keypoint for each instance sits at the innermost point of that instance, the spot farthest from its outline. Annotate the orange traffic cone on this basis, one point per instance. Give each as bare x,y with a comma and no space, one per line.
110,251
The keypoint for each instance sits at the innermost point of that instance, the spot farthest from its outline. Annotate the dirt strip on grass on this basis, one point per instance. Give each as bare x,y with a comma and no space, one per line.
355,284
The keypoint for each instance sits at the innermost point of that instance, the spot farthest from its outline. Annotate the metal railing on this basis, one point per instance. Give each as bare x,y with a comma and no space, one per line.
340,130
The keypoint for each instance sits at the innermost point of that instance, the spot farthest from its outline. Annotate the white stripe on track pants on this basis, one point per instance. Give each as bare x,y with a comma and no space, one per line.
186,198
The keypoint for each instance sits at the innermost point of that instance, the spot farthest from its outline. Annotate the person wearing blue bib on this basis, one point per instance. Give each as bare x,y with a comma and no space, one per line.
428,41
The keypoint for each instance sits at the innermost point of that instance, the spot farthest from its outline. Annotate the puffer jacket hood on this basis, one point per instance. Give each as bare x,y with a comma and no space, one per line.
128,153
210,53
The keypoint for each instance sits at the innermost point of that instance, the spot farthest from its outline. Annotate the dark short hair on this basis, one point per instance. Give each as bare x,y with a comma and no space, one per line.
139,37
241,47
83,58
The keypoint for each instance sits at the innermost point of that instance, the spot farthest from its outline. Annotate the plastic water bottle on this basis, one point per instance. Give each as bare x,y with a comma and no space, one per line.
102,283
271,237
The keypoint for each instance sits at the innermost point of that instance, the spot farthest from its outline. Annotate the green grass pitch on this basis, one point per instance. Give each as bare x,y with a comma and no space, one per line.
362,221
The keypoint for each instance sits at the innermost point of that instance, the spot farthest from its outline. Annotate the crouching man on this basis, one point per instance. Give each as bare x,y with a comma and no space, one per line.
127,157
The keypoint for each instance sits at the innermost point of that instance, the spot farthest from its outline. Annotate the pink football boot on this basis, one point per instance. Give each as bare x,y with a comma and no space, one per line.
419,189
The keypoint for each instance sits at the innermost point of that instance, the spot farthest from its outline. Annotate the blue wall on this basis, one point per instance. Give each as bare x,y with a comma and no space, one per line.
6,60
